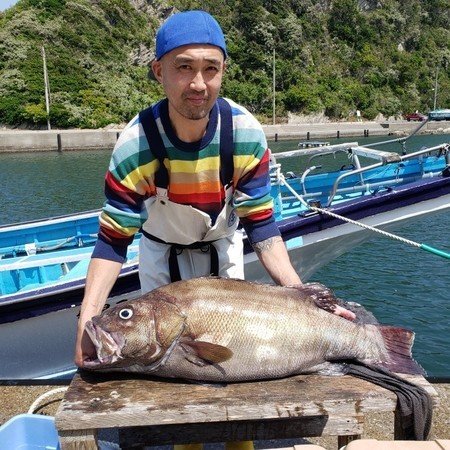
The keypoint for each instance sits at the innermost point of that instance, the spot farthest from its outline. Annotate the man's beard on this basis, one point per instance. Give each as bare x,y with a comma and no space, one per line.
193,112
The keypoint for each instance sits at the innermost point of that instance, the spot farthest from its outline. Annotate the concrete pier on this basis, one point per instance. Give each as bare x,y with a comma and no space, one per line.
56,140
67,140
343,130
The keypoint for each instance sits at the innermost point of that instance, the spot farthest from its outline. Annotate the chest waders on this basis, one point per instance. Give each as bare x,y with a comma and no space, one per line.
226,150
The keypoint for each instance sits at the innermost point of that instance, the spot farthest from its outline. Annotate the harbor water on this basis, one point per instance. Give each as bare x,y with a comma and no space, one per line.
401,285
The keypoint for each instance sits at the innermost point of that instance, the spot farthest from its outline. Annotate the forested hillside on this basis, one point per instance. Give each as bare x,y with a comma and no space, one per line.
332,56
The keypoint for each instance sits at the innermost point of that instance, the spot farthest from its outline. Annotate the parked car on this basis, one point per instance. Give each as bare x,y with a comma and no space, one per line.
439,114
416,116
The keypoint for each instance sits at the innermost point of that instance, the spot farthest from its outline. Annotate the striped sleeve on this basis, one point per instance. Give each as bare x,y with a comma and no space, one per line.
252,199
128,182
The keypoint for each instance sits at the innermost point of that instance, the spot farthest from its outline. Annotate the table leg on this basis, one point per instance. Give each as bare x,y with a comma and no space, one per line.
78,440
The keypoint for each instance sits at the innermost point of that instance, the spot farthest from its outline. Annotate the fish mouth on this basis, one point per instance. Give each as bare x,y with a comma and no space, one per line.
108,347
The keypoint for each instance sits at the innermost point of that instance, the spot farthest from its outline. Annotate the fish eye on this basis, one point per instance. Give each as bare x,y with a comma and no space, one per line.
126,313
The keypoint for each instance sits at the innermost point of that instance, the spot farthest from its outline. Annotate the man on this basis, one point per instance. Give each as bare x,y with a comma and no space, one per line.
168,176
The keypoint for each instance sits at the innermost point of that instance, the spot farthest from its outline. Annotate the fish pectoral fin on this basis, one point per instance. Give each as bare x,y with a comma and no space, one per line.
203,353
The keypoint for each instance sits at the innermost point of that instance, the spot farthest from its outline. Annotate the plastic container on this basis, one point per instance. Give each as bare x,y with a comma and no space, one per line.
29,432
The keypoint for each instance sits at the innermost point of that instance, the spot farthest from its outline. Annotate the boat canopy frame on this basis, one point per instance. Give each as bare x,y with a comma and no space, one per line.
354,151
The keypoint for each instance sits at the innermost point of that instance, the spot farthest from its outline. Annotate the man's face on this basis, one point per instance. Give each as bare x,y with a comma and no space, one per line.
191,76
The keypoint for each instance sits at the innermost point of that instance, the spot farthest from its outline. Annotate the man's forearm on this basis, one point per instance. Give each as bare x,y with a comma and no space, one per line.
101,276
100,279
275,258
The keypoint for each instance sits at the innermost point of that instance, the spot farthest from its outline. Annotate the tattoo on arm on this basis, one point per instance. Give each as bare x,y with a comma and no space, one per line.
267,244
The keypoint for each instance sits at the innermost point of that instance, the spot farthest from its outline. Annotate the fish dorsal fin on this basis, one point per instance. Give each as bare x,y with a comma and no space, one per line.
202,353
319,294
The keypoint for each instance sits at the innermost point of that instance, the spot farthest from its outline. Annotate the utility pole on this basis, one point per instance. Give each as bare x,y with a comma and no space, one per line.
435,87
273,87
47,88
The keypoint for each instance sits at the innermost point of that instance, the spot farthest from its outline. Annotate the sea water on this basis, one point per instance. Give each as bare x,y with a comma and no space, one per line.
400,284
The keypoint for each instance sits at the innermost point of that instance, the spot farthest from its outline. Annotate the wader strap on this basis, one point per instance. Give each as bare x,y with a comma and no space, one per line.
158,149
156,144
226,142
177,249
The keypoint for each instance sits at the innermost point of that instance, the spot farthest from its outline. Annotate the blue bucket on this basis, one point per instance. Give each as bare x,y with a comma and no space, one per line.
29,432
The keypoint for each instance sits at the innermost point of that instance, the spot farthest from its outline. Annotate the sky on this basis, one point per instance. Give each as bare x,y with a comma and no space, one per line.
4,4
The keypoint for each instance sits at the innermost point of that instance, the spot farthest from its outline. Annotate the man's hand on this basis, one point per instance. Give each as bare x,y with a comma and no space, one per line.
100,279
84,348
325,299
345,313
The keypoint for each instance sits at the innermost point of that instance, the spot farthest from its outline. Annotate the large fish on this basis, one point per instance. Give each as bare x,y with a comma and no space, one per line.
225,330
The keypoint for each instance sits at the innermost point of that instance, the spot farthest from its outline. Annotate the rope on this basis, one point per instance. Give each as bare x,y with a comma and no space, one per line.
36,403
102,444
425,247
66,241
367,227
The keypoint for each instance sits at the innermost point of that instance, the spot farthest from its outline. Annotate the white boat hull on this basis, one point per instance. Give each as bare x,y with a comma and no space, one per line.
42,346
313,251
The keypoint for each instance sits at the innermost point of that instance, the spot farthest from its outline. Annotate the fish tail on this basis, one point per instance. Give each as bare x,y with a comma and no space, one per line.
398,342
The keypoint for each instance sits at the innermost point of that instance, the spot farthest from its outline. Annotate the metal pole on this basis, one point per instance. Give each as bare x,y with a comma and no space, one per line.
47,89
436,87
273,87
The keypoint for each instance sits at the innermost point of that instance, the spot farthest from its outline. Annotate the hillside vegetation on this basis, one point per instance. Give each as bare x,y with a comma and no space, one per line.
332,57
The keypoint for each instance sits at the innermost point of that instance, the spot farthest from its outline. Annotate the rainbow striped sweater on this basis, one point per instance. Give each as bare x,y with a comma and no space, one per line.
194,172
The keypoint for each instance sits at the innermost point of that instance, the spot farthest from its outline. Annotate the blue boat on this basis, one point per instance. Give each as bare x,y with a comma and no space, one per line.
39,259
439,114
321,214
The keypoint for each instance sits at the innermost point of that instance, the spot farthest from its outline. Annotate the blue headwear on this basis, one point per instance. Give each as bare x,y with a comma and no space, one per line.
189,27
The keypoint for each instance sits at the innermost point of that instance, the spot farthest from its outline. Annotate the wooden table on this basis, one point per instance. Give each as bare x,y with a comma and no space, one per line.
159,412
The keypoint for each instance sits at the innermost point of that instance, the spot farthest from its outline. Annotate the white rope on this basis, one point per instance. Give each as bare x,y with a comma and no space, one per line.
345,219
42,397
368,227
102,445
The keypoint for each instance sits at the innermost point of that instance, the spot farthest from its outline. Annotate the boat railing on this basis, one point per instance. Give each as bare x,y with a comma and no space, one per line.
402,140
50,246
24,263
368,187
325,150
33,248
354,151
401,158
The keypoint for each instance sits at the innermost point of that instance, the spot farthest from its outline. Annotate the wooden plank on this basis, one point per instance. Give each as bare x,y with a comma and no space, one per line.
94,401
287,428
78,440
376,154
